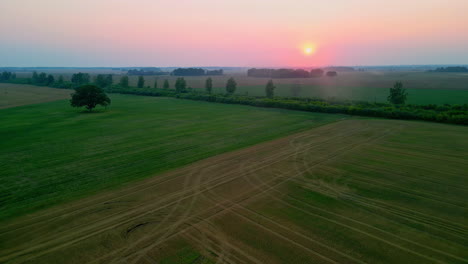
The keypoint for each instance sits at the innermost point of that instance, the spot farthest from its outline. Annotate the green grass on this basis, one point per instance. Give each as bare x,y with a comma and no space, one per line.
12,95
355,191
382,202
52,153
369,94
422,87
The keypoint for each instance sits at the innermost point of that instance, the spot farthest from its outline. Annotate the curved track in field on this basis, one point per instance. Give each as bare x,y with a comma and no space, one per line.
199,203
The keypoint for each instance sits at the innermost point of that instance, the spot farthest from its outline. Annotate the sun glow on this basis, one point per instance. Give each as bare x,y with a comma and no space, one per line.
309,49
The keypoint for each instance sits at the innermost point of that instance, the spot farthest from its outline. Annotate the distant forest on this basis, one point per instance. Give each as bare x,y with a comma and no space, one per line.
289,73
450,69
196,72
147,71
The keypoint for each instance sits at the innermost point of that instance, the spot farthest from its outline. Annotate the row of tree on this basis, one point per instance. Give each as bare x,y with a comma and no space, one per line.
397,93
80,78
42,78
180,84
76,80
288,73
196,72
456,114
103,80
451,69
147,71
7,76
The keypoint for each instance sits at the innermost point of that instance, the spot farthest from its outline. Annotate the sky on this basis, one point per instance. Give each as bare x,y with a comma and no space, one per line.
243,33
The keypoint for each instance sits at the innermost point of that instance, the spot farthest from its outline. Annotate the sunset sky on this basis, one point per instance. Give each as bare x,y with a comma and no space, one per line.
232,32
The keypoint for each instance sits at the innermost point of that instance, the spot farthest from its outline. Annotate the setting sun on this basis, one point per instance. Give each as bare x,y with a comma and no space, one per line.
309,49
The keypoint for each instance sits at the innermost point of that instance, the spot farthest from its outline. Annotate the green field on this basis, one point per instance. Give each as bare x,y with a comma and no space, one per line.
372,86
162,180
354,191
422,87
55,153
369,94
15,95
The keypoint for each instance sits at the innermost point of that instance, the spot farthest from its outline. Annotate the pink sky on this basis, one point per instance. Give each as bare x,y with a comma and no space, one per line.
232,33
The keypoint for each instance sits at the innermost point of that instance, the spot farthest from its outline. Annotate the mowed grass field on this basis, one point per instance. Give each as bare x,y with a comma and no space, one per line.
52,153
15,95
352,191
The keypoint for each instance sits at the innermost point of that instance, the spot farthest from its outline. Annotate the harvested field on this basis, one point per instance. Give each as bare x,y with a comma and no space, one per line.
12,95
355,191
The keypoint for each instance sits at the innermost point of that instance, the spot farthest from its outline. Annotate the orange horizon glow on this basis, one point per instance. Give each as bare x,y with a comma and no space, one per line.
233,33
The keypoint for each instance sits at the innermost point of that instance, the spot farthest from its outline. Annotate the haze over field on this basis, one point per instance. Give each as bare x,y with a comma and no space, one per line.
233,131
232,33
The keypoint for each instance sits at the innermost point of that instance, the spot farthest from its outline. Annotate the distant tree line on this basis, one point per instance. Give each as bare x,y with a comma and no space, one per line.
80,78
214,72
450,69
103,80
317,73
332,73
340,69
147,71
7,76
288,73
196,72
42,79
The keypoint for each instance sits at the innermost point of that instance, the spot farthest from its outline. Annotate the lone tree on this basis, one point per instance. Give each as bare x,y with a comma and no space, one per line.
270,89
35,77
124,81
397,94
89,96
50,79
166,84
42,78
231,86
60,80
180,85
141,82
296,89
209,85
156,83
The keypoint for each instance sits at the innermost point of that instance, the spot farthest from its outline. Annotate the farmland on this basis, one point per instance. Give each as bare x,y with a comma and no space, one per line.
351,191
423,88
55,153
234,132
15,95
164,180
372,86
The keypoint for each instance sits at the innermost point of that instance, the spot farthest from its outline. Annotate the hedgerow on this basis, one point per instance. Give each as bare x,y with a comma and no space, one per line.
454,114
